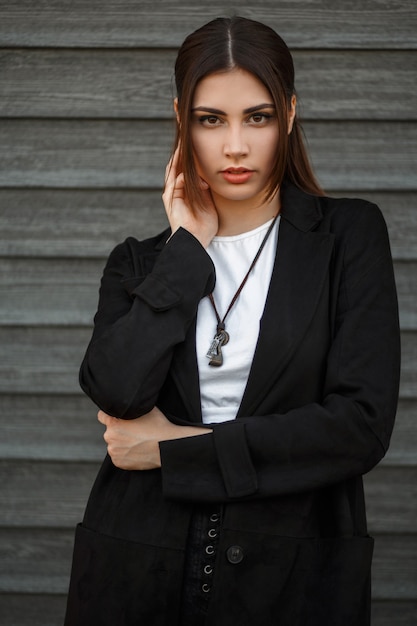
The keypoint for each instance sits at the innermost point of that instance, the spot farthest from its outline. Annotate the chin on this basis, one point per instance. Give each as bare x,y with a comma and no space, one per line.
241,195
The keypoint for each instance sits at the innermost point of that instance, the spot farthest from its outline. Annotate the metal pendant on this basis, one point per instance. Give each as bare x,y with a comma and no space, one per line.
215,351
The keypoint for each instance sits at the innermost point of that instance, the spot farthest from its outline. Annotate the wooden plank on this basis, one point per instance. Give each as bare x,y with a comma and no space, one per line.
349,155
32,610
101,154
408,386
21,551
87,83
41,360
65,428
65,291
391,499
406,280
47,359
87,154
32,495
21,609
138,84
395,568
50,223
403,448
89,223
111,23
385,613
355,84
40,494
49,291
50,428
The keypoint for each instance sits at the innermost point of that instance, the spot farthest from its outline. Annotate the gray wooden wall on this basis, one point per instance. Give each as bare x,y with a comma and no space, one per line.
85,131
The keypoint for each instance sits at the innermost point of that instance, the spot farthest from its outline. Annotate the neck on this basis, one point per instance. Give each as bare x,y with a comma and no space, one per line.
237,217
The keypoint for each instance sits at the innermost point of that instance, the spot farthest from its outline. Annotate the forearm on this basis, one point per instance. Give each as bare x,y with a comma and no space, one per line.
134,444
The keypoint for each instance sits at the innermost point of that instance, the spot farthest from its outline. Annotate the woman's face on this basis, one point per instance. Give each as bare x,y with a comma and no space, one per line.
234,131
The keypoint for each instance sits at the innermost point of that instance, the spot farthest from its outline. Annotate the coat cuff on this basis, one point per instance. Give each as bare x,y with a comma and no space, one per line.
182,262
233,455
209,468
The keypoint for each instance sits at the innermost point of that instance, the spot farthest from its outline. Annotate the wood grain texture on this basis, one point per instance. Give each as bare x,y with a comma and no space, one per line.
78,223
406,280
90,154
348,84
408,386
46,359
52,291
52,428
54,494
391,499
21,551
403,448
38,494
89,223
121,23
395,567
41,360
32,610
385,613
65,291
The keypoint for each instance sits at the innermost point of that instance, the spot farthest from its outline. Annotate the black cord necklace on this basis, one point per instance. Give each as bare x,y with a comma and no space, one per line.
221,337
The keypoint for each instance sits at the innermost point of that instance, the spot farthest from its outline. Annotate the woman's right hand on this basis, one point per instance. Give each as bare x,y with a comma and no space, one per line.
200,222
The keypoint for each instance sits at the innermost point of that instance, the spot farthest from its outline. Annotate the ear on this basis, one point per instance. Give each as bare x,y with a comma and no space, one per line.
291,113
176,110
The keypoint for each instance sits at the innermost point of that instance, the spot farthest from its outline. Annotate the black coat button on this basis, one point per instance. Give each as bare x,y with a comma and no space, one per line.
234,554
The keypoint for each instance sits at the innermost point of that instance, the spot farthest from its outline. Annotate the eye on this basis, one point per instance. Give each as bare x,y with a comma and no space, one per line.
260,118
209,120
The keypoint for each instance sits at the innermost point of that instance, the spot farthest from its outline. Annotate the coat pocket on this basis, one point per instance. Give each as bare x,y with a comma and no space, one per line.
114,581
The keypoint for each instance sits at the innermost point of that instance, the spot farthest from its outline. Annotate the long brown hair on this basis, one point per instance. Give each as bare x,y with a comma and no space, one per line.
222,45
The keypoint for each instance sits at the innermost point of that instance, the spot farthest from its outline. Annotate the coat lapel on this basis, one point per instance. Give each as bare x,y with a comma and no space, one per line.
300,271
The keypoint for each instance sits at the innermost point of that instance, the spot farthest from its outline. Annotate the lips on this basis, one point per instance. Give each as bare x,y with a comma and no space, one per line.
237,175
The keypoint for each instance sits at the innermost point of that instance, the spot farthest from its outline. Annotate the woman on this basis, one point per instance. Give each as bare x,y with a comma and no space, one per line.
245,363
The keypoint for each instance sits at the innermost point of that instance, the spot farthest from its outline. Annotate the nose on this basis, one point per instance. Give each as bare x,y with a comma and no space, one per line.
235,142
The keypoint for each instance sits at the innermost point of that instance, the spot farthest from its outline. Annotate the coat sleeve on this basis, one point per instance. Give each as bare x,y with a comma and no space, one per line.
318,444
135,333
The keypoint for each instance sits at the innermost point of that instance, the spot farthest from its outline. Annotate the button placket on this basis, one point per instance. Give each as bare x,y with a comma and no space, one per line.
210,551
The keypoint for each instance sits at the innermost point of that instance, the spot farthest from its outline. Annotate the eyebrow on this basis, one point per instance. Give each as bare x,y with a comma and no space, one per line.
257,107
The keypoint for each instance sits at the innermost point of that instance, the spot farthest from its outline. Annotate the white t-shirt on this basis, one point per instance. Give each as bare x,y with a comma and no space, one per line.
222,387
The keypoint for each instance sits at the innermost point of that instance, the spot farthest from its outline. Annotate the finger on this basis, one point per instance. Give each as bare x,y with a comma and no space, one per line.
168,169
173,192
171,168
105,419
179,185
203,184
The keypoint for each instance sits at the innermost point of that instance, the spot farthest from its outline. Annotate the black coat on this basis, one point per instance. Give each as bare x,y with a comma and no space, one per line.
317,413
